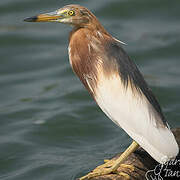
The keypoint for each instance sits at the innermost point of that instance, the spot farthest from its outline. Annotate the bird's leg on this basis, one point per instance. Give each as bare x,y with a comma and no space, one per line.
111,166
124,155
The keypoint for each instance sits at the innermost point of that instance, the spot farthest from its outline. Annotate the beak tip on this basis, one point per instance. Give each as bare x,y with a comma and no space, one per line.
31,19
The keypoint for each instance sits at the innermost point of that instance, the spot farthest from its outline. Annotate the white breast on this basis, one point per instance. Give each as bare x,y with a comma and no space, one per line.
130,110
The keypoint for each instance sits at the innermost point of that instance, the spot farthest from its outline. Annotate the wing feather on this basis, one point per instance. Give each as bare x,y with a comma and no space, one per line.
129,72
125,98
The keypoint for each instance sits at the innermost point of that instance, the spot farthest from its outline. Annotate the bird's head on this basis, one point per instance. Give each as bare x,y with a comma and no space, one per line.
75,15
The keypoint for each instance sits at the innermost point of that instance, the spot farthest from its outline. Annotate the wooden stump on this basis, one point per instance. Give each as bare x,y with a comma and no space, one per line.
142,162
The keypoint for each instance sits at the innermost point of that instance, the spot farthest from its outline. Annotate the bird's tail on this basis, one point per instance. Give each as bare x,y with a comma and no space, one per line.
160,143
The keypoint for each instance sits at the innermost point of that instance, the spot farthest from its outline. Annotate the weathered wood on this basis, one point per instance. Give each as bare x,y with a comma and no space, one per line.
142,162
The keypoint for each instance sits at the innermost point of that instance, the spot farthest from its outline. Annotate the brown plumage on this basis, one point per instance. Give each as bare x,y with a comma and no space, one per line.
86,44
115,83
85,52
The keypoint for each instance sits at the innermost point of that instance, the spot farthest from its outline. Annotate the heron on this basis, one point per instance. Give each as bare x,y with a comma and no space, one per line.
116,85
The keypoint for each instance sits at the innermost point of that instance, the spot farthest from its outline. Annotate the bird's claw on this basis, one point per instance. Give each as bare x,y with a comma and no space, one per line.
106,169
95,173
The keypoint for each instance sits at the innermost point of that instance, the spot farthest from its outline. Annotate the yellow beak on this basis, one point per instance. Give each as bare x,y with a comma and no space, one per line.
48,17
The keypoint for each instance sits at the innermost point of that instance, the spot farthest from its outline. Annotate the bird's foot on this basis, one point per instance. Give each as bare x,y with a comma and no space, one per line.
106,169
112,166
129,167
95,173
109,163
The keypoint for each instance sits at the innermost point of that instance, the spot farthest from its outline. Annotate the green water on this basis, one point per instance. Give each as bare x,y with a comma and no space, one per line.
50,128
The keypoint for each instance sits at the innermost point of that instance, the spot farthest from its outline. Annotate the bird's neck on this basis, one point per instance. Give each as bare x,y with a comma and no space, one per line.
85,46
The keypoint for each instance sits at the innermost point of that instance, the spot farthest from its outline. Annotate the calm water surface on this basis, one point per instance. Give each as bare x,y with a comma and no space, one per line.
50,127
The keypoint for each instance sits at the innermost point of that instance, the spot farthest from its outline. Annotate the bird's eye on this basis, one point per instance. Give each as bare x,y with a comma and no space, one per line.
71,13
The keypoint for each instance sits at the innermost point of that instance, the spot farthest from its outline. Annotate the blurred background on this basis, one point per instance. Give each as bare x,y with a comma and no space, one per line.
50,128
